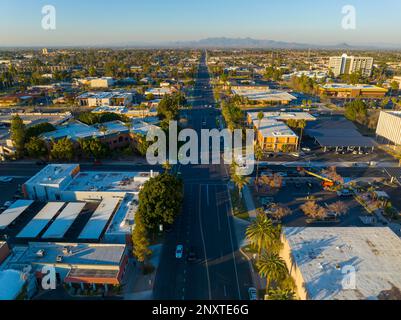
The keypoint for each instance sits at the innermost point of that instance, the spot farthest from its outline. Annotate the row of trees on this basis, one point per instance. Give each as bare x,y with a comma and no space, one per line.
265,237
232,114
169,106
160,202
316,212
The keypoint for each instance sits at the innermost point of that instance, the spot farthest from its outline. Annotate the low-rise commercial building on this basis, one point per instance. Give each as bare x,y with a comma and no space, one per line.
346,91
263,94
389,127
350,263
273,134
99,99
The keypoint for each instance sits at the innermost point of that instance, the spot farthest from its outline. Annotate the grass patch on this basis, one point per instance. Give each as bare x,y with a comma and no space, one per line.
238,205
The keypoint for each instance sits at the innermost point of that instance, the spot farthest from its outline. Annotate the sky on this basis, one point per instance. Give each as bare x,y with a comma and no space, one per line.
118,22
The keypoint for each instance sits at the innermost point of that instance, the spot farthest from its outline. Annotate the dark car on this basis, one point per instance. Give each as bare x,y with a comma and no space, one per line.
41,163
192,256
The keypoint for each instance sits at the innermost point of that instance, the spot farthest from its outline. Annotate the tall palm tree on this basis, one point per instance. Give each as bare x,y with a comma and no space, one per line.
240,181
261,233
258,157
260,118
272,267
301,125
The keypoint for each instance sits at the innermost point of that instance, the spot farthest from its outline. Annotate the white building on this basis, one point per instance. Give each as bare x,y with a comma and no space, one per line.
351,263
105,82
99,99
389,127
350,64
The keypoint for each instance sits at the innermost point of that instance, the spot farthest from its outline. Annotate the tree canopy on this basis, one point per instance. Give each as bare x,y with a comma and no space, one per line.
160,200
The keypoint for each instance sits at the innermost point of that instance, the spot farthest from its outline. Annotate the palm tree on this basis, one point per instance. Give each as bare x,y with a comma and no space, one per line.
301,125
258,157
240,181
261,233
167,166
280,294
272,267
260,118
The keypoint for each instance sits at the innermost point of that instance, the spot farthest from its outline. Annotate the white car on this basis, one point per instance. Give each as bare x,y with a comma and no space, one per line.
306,149
179,251
6,179
7,204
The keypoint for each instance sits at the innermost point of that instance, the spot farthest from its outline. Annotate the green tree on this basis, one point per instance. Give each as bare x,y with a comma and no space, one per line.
260,118
94,148
140,240
39,129
36,147
240,182
262,234
18,135
258,157
63,150
272,267
281,294
160,200
356,111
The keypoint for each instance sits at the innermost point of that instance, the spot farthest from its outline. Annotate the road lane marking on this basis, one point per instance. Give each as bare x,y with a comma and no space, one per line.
204,245
231,240
207,194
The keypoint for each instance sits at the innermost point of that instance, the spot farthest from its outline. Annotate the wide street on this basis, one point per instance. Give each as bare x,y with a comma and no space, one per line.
206,225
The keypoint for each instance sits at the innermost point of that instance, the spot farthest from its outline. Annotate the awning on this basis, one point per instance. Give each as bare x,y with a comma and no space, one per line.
93,276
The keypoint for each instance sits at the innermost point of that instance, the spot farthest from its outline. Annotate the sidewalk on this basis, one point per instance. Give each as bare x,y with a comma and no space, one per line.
137,285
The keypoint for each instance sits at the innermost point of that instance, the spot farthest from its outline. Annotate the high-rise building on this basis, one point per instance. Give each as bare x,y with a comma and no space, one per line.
351,64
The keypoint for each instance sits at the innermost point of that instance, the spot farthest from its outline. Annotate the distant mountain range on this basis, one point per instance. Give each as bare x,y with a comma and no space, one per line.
251,43
234,43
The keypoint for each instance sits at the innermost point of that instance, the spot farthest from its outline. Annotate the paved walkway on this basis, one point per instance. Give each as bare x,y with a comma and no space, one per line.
137,285
249,203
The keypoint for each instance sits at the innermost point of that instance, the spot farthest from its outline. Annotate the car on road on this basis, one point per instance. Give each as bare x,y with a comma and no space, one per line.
6,179
192,256
179,251
305,149
253,294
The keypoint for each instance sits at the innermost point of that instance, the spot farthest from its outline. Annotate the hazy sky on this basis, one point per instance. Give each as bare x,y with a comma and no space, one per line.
101,22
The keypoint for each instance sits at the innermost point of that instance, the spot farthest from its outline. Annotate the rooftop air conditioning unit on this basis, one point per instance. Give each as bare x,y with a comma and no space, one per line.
59,259
40,253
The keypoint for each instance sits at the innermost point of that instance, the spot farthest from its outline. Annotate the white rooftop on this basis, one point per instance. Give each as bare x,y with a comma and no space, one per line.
109,181
13,212
322,253
41,220
64,221
283,116
263,94
273,128
53,174
98,221
352,86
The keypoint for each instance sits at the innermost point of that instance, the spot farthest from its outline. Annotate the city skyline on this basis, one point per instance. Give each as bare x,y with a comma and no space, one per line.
133,23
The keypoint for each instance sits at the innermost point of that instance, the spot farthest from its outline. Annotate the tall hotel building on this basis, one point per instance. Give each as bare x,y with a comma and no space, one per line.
350,64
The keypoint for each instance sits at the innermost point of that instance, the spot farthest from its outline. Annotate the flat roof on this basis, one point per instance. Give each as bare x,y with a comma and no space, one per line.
109,181
283,116
13,212
124,218
41,220
97,223
64,221
273,128
53,174
364,87
337,132
79,254
322,253
265,94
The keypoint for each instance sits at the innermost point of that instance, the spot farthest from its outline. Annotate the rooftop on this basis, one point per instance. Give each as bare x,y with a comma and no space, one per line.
365,87
262,94
53,174
283,116
72,253
269,128
109,181
322,253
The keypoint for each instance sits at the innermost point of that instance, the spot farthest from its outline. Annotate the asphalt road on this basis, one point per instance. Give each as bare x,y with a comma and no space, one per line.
206,225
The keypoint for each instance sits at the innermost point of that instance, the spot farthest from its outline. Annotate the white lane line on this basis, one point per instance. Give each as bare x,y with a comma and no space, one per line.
207,194
204,245
232,245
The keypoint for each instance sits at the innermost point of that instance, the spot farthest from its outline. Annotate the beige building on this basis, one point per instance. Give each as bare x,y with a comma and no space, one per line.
352,263
389,127
350,64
